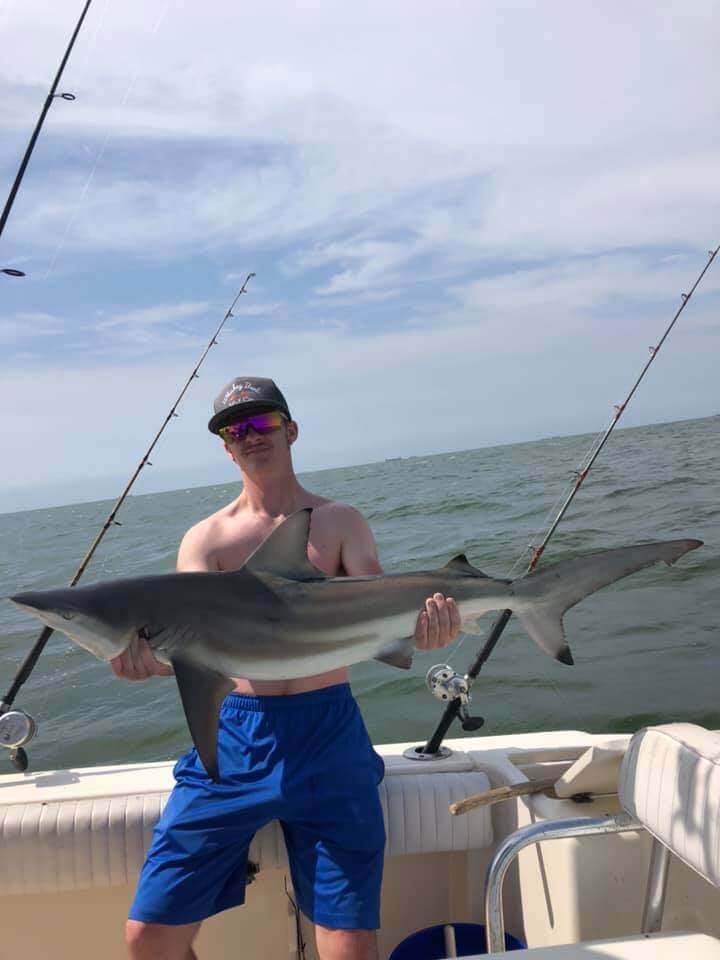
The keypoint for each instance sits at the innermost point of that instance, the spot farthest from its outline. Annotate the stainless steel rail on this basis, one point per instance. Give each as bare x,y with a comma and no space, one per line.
535,833
656,888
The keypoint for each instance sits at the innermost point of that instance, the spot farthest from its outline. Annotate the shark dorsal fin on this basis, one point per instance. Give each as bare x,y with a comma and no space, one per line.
284,552
460,564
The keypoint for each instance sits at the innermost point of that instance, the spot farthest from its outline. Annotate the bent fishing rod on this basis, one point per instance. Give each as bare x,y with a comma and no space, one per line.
17,728
444,683
52,95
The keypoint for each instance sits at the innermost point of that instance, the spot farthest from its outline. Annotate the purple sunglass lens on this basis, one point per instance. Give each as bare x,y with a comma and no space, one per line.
261,423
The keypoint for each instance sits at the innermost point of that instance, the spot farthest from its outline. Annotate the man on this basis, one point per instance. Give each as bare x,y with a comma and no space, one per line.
294,750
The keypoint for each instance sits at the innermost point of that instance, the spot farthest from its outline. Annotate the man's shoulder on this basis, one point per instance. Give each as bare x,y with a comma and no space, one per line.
205,529
340,515
344,532
200,541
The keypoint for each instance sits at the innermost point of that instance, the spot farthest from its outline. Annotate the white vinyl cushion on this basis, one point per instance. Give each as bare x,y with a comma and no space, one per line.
417,816
670,781
77,844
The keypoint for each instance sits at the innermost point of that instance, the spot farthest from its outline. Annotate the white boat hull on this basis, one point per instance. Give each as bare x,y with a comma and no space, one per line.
71,843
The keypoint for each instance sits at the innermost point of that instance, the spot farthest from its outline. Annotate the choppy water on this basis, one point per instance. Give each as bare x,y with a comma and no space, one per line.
645,649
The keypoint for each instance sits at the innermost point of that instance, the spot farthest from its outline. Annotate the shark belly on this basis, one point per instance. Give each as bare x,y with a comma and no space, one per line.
292,650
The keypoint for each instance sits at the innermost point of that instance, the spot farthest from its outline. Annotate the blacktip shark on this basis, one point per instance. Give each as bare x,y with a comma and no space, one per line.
279,617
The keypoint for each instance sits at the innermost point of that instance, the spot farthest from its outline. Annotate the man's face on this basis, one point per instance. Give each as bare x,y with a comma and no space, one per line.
258,439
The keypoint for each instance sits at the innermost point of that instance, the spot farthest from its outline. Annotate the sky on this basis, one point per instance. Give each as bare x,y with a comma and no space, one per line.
468,224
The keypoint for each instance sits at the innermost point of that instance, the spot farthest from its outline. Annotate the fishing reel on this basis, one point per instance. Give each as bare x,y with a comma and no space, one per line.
445,684
16,729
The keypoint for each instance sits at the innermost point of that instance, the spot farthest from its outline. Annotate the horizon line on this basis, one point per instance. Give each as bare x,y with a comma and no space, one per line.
366,463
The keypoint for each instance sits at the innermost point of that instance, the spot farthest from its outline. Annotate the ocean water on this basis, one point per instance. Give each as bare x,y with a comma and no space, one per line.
646,649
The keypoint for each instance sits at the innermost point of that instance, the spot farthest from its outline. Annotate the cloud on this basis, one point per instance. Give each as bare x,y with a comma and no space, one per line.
585,283
548,150
449,207
29,326
454,383
150,317
377,262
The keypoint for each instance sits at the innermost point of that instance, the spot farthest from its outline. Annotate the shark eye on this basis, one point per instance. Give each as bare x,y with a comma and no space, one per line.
66,615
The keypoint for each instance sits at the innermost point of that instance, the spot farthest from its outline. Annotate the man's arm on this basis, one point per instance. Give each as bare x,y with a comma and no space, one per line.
138,662
438,623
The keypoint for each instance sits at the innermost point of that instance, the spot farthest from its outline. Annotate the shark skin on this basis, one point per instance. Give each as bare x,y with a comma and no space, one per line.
279,618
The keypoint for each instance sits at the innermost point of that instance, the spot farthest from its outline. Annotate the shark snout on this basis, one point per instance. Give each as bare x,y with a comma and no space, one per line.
35,600
82,621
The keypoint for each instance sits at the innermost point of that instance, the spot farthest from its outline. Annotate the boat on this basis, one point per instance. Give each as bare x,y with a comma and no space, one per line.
563,869
603,848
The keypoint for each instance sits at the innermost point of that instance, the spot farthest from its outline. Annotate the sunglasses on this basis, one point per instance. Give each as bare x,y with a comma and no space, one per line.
261,423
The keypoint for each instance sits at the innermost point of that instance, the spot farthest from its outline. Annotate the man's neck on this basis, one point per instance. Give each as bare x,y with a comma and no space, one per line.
274,497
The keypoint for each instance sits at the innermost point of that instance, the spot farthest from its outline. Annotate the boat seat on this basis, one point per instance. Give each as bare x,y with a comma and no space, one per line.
84,838
661,946
670,782
669,785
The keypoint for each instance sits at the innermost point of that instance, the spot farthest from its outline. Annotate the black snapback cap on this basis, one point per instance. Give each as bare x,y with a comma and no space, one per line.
244,396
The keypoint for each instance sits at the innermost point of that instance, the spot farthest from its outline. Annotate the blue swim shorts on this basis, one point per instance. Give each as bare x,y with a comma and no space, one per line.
305,760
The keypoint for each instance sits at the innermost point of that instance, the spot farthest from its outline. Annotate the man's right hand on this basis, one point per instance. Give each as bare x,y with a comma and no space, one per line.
138,663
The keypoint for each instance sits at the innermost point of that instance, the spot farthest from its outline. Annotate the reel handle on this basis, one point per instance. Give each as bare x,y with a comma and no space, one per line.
19,759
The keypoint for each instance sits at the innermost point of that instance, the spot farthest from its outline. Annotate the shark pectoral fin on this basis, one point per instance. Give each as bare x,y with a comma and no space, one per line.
544,625
202,691
399,654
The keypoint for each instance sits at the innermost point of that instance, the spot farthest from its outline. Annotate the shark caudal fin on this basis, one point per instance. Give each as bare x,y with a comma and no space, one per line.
540,599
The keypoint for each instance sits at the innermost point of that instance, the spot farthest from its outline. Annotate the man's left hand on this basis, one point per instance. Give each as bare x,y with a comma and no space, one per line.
438,624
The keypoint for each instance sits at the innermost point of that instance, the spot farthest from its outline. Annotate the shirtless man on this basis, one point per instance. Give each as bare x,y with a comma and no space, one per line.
294,750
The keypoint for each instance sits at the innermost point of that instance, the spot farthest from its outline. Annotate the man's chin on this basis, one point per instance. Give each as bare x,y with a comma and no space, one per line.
257,459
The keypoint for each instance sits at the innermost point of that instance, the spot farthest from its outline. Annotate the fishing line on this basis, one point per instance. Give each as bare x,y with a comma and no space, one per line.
299,939
526,552
13,722
91,45
61,244
103,147
458,706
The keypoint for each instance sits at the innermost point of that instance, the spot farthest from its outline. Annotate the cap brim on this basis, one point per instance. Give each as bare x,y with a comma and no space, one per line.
244,409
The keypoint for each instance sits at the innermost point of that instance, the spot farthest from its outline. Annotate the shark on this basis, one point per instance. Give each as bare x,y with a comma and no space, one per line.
279,617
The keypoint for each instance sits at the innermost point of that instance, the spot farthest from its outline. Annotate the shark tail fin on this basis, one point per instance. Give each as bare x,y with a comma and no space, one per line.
541,599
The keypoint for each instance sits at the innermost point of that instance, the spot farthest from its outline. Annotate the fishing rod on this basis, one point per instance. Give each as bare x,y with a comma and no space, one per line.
444,683
52,95
17,728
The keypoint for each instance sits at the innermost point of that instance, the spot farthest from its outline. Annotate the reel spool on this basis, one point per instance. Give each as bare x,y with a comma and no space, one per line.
16,729
445,684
